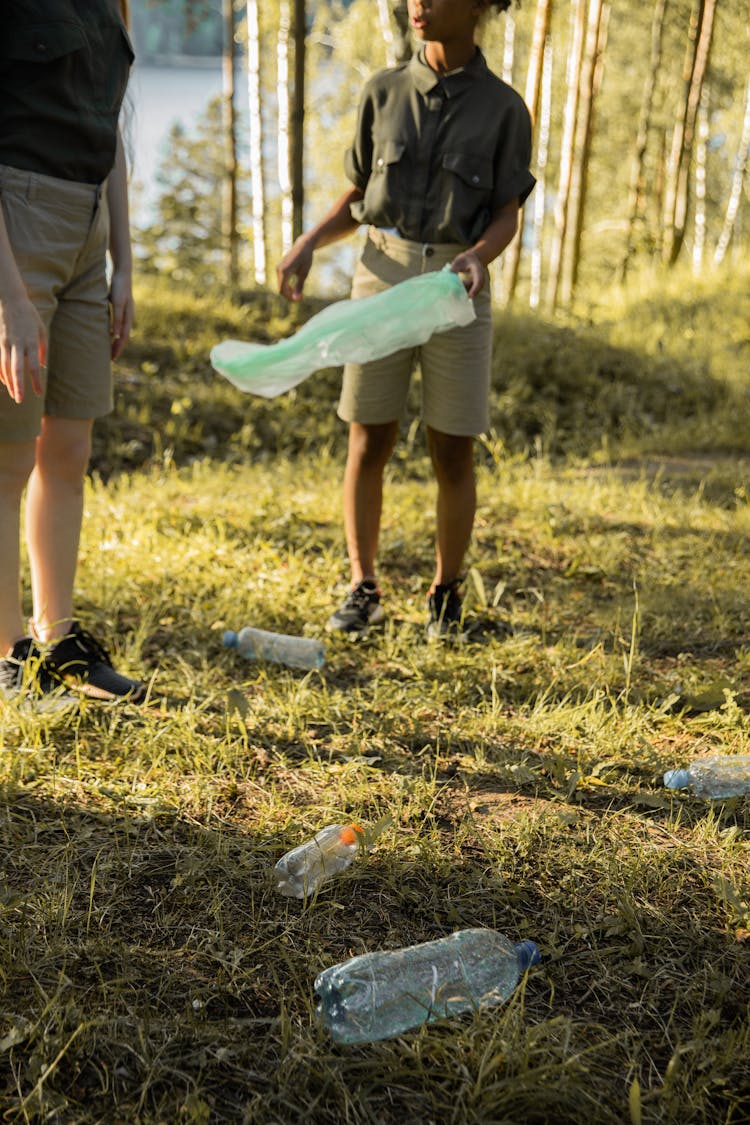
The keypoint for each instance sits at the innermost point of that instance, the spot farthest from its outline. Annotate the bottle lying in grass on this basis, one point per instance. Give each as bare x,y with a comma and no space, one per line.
403,316
379,995
294,652
713,777
301,871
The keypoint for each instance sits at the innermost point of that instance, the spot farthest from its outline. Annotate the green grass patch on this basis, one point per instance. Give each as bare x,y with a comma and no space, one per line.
150,973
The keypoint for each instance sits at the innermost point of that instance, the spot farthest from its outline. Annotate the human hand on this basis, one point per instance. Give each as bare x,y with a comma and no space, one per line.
23,346
293,269
122,309
474,270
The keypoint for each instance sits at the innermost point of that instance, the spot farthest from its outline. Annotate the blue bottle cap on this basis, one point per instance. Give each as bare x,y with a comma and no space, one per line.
528,955
677,779
230,638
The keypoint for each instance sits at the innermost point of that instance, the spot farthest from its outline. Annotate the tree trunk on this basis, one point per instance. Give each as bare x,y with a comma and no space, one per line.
401,33
591,71
512,255
509,48
386,32
699,241
539,198
678,169
282,104
229,209
298,119
256,143
637,187
738,178
566,150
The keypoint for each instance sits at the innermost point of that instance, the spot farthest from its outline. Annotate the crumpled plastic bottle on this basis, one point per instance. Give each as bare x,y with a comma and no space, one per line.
300,872
379,995
719,777
353,331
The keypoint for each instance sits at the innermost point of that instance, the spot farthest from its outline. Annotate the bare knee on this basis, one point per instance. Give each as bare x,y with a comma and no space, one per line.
452,457
64,449
371,446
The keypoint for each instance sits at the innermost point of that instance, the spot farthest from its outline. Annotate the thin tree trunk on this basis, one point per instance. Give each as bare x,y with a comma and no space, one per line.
699,241
545,117
509,48
566,150
637,187
298,119
401,34
256,142
282,103
596,34
386,32
512,255
738,178
229,210
678,179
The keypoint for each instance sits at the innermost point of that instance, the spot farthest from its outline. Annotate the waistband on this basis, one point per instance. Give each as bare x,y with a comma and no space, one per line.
50,189
403,250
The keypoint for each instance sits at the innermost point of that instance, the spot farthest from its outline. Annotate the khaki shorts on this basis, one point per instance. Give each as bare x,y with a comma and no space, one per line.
455,365
59,232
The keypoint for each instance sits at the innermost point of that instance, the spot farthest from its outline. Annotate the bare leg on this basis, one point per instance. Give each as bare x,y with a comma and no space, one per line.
369,450
453,462
54,511
16,464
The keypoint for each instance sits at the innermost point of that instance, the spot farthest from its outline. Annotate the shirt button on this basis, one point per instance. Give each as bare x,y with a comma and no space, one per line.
428,251
475,179
380,162
41,47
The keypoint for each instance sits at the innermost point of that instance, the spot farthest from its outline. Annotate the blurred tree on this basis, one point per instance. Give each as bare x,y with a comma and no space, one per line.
738,179
298,117
257,161
229,224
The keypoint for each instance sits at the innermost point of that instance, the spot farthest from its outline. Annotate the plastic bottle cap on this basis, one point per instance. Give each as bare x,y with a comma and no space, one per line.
677,779
350,834
528,954
230,638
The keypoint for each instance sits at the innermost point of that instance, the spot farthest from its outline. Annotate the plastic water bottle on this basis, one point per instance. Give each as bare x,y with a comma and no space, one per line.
301,871
378,995
294,652
713,777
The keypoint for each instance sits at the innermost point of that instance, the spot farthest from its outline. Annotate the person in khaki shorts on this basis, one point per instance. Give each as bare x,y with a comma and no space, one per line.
439,168
64,67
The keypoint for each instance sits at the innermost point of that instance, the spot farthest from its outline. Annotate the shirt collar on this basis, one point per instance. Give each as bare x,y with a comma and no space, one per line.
426,79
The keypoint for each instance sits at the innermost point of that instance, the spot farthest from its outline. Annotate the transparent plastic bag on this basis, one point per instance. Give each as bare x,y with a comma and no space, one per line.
403,316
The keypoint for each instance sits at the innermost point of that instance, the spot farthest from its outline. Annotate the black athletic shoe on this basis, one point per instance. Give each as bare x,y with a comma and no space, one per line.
445,613
81,663
361,609
25,678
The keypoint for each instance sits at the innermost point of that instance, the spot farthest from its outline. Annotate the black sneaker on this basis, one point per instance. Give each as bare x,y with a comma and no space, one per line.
25,677
446,618
80,662
360,610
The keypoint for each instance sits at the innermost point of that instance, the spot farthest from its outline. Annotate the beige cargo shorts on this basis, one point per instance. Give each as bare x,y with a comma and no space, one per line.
59,231
455,365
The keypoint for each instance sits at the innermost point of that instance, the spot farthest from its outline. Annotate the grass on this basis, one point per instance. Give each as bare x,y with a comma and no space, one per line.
149,971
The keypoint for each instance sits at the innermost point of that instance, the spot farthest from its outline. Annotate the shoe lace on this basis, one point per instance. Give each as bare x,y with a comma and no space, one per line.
91,646
360,596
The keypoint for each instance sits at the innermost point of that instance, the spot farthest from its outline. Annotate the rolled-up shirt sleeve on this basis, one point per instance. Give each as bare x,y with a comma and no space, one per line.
512,177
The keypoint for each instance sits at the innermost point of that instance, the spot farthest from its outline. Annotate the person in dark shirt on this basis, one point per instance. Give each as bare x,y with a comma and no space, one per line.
439,168
64,67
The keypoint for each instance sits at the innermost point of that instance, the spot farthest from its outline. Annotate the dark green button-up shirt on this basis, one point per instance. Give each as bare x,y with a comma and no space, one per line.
64,67
437,157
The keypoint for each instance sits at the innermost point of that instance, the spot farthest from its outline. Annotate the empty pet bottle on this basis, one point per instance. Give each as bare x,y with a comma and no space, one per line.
301,871
378,995
294,652
713,777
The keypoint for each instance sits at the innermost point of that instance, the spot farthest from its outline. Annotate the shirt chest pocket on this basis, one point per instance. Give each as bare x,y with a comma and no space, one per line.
386,152
472,171
43,42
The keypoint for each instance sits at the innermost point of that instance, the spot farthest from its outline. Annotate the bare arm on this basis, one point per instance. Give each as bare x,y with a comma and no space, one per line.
488,246
23,342
294,267
121,288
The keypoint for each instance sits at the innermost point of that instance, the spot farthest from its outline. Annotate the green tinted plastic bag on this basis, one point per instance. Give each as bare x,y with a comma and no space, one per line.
403,316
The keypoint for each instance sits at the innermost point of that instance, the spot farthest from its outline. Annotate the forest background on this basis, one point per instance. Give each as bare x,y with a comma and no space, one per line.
642,131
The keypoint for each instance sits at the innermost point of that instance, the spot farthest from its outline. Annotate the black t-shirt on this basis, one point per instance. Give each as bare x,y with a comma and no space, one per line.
64,67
